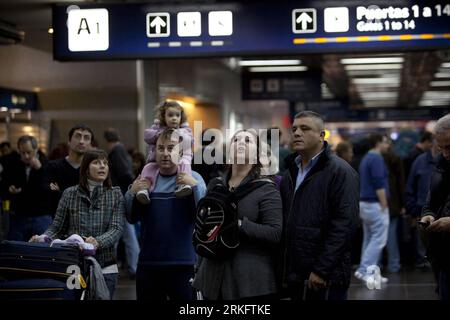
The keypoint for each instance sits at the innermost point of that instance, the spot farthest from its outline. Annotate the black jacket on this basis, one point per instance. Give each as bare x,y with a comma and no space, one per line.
438,205
319,220
121,167
31,200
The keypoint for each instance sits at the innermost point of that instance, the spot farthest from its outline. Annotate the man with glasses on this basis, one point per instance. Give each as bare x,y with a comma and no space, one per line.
436,212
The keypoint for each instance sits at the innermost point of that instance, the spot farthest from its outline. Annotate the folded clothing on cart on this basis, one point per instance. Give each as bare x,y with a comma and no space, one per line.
87,249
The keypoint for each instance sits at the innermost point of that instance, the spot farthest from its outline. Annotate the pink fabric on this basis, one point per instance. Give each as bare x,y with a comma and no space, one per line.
150,172
151,136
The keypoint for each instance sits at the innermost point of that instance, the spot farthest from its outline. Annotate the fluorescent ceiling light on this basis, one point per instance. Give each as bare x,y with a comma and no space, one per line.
278,69
445,65
395,80
372,60
442,75
440,83
373,73
251,63
373,66
440,95
376,87
378,95
378,104
434,103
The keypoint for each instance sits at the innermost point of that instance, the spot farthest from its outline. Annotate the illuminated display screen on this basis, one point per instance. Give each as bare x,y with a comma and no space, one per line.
133,31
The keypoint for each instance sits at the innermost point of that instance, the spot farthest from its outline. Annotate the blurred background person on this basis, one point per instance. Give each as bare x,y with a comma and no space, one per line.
344,150
122,176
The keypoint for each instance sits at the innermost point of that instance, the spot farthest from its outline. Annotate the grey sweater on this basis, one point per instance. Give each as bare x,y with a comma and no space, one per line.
251,271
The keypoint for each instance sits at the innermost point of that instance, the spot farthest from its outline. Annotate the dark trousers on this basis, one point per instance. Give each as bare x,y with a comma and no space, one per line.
23,228
164,282
299,291
444,285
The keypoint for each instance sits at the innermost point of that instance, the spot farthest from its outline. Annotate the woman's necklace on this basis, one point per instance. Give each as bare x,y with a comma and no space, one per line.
233,185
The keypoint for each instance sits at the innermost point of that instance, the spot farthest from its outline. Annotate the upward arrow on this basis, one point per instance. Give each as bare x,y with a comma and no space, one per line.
304,19
158,23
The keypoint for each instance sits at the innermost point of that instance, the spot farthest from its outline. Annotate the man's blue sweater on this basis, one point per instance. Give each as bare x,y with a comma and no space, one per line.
167,223
373,176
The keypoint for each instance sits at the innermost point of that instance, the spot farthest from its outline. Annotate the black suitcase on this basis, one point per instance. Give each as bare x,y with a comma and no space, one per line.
19,260
36,289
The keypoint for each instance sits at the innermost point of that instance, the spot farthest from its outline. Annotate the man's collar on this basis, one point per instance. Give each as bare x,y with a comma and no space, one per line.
314,159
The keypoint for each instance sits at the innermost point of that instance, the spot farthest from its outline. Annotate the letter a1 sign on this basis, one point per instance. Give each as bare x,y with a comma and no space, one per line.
304,20
88,29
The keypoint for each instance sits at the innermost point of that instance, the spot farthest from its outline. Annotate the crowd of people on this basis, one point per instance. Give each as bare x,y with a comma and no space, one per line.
296,233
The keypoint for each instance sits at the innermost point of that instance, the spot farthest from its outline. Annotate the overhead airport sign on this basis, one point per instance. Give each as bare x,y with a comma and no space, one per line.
13,99
140,30
291,86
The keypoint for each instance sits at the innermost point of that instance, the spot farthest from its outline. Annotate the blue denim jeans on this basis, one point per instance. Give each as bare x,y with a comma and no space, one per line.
375,227
23,228
131,246
392,246
111,281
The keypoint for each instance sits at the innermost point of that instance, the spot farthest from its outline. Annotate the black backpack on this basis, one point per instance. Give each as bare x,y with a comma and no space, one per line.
216,232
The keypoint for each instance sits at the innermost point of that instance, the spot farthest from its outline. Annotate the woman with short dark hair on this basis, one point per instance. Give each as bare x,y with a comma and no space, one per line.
94,210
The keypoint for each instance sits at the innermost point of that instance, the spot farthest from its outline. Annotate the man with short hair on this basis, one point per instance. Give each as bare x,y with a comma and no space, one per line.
63,173
436,211
320,213
425,144
167,257
374,207
344,150
23,181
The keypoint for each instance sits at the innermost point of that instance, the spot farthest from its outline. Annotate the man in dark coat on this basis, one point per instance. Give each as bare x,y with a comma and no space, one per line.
23,184
436,211
320,194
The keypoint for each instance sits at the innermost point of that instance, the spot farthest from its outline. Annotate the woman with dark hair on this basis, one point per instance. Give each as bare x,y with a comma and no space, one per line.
250,271
94,210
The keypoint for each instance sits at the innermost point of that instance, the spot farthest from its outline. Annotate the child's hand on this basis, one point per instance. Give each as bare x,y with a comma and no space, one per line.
184,178
140,184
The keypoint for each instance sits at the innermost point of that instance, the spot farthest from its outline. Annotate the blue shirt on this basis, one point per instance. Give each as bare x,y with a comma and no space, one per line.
373,175
303,172
167,224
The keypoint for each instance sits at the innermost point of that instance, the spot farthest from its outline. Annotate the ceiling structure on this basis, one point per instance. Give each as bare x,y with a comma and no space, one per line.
372,80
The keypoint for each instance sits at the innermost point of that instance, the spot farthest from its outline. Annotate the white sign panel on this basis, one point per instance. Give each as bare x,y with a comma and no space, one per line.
220,23
336,19
189,24
88,30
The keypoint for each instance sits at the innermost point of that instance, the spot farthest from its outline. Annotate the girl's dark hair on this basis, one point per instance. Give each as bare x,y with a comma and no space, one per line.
255,172
162,109
88,157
